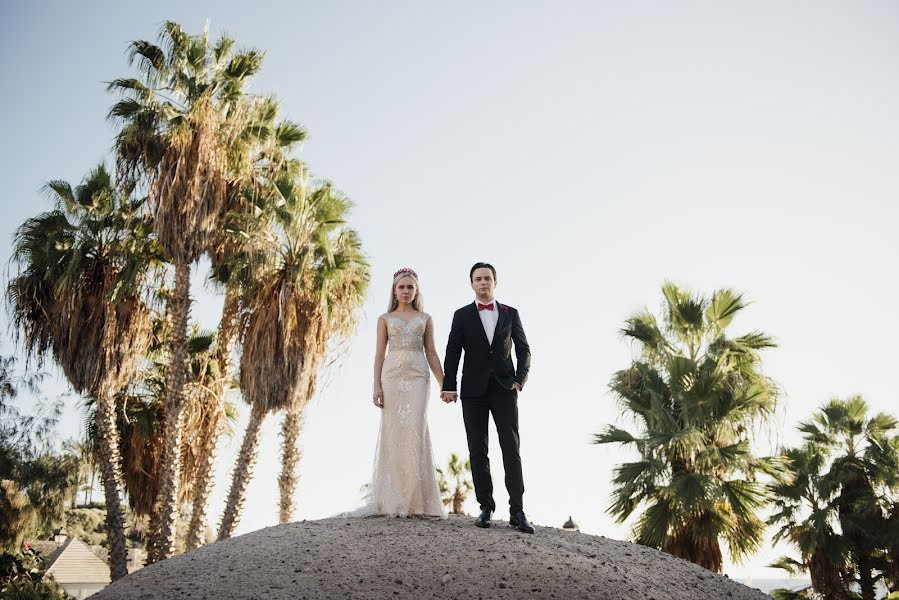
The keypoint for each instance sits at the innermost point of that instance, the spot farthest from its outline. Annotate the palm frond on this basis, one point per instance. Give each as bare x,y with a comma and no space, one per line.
614,435
288,133
149,57
724,306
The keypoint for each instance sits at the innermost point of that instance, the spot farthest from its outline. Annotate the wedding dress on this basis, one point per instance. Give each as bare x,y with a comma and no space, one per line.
404,482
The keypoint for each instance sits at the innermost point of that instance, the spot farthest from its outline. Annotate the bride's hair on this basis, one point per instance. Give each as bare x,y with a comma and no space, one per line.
417,302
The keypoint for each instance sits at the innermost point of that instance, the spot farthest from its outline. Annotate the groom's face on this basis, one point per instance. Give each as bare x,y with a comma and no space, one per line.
483,283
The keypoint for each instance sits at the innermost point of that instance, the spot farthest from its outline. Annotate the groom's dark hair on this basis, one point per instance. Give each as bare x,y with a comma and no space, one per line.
481,265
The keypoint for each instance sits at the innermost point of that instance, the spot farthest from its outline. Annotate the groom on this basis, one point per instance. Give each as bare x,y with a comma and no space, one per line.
486,329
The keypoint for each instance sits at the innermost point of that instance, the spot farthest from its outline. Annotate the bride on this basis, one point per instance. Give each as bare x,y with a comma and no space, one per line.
404,481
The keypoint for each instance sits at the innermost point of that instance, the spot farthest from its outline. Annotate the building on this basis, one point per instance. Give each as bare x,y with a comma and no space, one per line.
75,567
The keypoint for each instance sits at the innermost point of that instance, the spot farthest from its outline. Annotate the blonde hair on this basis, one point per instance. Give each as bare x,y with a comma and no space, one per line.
417,302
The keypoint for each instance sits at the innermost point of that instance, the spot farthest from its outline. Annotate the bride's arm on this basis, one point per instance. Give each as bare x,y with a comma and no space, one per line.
431,353
380,352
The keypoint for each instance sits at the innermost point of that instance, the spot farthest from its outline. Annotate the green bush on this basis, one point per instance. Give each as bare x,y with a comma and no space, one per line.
87,525
21,577
33,590
21,566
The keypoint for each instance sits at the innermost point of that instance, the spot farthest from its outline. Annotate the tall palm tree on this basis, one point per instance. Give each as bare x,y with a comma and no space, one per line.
210,414
77,298
455,484
182,123
232,269
333,274
864,476
141,418
805,509
305,296
696,395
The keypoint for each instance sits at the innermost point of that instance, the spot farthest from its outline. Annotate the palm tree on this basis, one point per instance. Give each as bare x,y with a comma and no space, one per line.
209,415
83,452
864,476
454,493
891,532
182,123
696,394
141,418
77,299
232,269
805,593
304,297
332,274
805,509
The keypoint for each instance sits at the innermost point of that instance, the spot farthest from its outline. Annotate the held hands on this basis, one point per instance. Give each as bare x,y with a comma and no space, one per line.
449,397
378,398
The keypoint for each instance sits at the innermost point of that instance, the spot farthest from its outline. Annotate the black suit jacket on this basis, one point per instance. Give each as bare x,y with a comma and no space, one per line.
482,359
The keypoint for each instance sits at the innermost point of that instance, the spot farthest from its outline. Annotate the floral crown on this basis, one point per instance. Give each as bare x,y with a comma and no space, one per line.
406,271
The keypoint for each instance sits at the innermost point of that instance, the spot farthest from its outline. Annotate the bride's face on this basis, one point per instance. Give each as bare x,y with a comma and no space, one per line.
405,290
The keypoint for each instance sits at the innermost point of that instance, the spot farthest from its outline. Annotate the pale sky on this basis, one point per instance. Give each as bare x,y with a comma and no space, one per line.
589,150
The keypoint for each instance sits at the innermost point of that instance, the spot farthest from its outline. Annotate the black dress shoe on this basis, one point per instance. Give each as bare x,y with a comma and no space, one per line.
520,522
483,519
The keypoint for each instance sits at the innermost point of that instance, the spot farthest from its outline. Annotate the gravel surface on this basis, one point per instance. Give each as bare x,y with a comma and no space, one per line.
417,558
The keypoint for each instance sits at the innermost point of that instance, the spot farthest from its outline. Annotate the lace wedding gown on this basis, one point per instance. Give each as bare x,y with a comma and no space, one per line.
405,480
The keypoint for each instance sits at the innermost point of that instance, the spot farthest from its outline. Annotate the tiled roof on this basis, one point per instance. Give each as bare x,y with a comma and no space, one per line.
74,562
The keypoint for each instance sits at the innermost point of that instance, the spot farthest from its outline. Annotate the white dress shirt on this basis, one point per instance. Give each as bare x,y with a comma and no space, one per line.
488,318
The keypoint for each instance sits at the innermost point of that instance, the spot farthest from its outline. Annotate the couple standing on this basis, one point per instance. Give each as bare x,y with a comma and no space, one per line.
404,481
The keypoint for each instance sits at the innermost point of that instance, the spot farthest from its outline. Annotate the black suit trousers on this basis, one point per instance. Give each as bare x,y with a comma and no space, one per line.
503,405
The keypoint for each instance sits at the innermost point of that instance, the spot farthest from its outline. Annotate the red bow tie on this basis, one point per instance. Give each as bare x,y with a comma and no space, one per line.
485,306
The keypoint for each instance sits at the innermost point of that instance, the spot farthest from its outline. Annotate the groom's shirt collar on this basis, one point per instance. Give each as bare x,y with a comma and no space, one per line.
488,318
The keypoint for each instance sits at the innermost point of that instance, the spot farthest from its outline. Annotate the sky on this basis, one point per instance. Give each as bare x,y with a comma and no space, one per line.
589,150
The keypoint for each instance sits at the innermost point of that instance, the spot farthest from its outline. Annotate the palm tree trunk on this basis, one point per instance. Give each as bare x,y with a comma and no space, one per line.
290,458
152,541
110,470
703,551
209,444
167,512
893,555
865,578
206,454
826,577
243,472
111,461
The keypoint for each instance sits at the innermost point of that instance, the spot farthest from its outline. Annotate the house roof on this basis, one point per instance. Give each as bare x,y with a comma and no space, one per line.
47,548
75,562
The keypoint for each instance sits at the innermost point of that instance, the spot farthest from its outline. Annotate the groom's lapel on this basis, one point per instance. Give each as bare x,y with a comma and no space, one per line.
500,320
477,320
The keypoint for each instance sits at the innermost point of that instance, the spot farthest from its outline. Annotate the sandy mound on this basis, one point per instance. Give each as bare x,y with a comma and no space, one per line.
413,558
